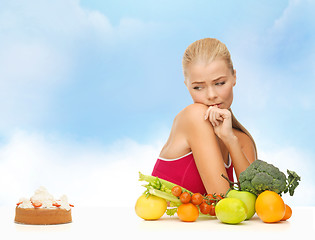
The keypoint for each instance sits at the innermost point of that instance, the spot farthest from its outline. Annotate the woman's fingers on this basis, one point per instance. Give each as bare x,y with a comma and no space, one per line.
207,113
214,115
213,118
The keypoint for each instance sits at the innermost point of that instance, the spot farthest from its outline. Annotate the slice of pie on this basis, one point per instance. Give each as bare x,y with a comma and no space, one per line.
43,209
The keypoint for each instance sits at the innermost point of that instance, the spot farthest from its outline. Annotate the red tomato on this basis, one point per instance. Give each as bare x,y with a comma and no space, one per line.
185,197
196,199
176,191
219,197
204,208
212,210
209,199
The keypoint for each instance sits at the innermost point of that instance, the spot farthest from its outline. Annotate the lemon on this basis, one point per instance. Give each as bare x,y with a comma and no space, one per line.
150,208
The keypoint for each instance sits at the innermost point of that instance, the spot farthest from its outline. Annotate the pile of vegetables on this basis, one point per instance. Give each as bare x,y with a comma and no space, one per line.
261,176
259,190
160,188
181,200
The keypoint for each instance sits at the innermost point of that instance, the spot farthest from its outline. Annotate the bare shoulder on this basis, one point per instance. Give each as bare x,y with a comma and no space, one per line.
193,112
191,121
186,121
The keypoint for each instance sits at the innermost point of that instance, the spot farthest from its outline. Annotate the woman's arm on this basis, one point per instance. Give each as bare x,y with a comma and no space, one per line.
239,145
205,147
241,151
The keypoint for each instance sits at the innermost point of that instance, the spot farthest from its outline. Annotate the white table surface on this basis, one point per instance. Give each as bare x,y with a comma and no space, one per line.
119,222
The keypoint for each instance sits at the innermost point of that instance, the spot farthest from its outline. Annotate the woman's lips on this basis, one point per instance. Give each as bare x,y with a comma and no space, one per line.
215,105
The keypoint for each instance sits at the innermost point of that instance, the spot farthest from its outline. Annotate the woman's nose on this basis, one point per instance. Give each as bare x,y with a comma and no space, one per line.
211,93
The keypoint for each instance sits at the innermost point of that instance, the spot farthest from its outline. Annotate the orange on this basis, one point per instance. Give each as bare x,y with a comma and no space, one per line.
288,213
188,212
270,207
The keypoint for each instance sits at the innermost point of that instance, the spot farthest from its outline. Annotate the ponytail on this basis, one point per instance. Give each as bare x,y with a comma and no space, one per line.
237,125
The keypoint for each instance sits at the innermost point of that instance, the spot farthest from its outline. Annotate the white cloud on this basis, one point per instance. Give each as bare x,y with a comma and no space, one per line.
90,174
38,44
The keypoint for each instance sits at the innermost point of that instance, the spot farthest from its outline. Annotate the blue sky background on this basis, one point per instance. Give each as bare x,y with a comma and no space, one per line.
95,80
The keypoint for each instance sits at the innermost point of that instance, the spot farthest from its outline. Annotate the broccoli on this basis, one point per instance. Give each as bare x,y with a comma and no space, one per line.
261,176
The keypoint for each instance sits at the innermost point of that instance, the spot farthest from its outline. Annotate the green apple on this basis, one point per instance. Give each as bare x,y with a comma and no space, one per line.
248,198
231,210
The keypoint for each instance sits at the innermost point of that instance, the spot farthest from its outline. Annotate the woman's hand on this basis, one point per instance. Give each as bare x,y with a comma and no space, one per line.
221,120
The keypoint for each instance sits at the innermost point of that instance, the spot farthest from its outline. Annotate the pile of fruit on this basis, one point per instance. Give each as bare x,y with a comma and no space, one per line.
237,205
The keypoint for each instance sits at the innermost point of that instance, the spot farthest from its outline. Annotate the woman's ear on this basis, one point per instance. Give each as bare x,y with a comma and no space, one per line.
234,76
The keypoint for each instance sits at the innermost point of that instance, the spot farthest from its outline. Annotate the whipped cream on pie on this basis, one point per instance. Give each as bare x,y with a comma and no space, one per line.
43,199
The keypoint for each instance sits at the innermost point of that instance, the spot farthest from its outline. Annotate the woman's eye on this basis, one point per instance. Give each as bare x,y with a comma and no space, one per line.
220,83
197,88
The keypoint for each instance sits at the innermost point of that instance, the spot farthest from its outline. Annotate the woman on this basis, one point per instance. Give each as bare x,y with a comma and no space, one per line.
206,140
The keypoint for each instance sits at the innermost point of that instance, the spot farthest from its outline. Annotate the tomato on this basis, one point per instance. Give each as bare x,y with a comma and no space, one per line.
150,208
212,210
188,212
204,208
185,197
196,199
270,207
219,197
176,191
287,214
210,198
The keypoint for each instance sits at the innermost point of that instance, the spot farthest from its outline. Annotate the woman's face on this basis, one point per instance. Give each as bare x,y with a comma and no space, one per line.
211,84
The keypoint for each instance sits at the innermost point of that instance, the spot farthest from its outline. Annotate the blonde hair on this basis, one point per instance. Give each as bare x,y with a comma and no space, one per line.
205,51
237,125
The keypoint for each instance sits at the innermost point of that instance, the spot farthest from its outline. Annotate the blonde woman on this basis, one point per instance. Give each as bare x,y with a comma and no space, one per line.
206,140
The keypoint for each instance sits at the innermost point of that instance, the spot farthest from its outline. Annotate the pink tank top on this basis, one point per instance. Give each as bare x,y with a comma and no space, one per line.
183,171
